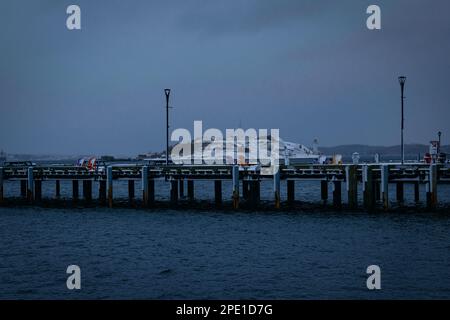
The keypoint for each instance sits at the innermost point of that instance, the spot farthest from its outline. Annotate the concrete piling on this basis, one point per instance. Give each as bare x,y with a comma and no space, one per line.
23,188
173,192
87,190
145,186
57,189
38,190
432,187
324,191
190,190
1,185
75,190
181,182
400,193
368,187
102,191
245,189
416,192
131,190
337,194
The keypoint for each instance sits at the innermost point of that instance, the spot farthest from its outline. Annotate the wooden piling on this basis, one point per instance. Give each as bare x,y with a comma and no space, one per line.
385,185
400,193
245,189
38,190
416,192
23,188
102,191
57,189
87,190
218,192
145,186
109,184
290,191
75,190
368,187
1,185
276,188
337,194
181,182
254,193
352,186
324,191
190,190
131,191
235,177
432,187
173,191
30,185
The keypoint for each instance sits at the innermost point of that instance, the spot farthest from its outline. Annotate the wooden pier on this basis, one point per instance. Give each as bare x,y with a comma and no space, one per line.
373,179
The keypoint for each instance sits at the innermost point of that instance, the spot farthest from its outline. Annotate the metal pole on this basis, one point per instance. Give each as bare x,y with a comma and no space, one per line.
439,146
167,93
402,86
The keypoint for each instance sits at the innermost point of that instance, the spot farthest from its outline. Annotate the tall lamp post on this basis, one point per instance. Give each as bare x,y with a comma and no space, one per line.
439,146
167,93
402,81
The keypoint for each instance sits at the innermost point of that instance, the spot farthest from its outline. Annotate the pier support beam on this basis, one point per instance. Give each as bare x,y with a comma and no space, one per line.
23,188
181,188
145,187
131,191
173,192
75,190
254,193
30,185
245,189
276,188
290,191
352,186
400,193
38,190
109,183
324,191
432,187
377,186
57,189
102,191
218,192
337,194
190,190
235,176
1,185
87,190
385,186
368,186
416,192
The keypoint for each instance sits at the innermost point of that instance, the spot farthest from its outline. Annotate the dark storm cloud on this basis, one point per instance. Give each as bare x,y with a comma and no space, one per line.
309,68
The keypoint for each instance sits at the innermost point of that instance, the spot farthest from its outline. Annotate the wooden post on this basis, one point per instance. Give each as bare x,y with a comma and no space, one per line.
377,186
352,186
416,192
432,187
276,188
130,191
109,183
30,185
291,191
145,186
245,189
337,194
173,191
87,190
235,175
38,190
57,189
218,192
151,191
368,187
190,191
1,185
23,188
75,191
385,185
254,193
102,191
181,188
324,191
400,193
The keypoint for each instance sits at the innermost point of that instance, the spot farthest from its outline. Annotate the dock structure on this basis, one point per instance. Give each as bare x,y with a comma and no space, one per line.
374,180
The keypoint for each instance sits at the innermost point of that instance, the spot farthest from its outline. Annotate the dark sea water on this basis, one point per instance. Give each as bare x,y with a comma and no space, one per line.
215,254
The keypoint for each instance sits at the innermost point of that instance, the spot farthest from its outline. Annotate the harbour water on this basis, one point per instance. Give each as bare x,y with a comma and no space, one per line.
222,254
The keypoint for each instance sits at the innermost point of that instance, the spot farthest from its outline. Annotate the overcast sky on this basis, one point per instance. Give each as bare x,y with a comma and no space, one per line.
310,68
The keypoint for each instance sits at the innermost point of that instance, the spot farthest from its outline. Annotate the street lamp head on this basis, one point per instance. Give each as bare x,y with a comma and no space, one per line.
167,92
402,80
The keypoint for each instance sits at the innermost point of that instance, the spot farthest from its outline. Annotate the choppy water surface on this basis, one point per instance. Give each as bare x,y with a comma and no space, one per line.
127,253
